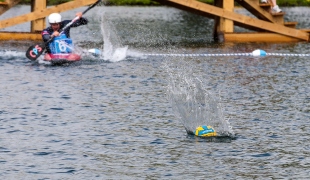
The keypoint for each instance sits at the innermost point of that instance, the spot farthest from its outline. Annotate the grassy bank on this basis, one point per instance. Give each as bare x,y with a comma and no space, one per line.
281,3
150,2
107,2
49,2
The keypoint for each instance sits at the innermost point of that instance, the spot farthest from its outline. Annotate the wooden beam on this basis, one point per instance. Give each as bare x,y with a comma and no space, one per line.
39,24
43,13
206,9
290,24
258,37
254,8
306,30
189,9
3,3
7,5
6,36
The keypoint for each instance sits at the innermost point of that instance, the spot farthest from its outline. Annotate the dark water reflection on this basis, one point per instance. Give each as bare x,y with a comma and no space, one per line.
112,120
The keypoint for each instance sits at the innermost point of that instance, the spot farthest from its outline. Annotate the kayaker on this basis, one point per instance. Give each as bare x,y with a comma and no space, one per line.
56,25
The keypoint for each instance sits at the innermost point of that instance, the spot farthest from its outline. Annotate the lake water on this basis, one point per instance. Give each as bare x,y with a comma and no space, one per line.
127,118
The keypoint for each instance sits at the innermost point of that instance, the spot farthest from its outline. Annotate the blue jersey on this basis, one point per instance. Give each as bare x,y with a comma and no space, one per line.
46,33
61,45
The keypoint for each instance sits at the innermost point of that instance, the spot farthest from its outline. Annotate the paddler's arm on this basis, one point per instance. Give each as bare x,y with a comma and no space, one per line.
80,21
47,36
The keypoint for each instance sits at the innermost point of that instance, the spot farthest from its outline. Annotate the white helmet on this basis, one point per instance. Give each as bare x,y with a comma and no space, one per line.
54,18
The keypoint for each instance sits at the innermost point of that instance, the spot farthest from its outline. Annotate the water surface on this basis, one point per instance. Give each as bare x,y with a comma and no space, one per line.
99,119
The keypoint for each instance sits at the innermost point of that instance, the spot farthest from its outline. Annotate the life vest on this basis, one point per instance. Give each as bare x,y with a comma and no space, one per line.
61,45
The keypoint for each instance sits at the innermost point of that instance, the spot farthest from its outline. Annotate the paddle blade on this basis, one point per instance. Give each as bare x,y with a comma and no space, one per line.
35,51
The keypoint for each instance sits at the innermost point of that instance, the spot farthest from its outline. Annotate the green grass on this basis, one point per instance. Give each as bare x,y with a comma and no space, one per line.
132,2
279,2
49,2
293,2
150,2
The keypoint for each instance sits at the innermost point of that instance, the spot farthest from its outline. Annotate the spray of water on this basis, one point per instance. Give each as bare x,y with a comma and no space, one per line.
191,102
7,54
113,49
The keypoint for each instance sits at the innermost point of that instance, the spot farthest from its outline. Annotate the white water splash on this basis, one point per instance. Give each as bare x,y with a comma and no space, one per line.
113,50
119,54
191,102
42,61
12,53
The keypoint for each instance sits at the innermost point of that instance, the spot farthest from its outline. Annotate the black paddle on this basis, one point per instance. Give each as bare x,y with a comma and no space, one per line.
35,51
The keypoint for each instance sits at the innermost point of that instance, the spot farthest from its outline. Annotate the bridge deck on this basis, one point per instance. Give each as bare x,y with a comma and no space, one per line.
265,21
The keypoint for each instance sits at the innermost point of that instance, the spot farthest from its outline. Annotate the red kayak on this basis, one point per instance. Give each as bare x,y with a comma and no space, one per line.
61,58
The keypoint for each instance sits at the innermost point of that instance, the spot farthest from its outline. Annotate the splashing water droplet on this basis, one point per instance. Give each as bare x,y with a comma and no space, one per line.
113,47
192,103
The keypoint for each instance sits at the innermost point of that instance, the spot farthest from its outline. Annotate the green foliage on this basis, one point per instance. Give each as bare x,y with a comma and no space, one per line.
49,2
151,2
207,1
279,2
293,2
131,2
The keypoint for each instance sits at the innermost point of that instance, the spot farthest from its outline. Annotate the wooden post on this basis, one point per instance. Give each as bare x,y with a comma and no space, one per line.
227,25
223,25
39,24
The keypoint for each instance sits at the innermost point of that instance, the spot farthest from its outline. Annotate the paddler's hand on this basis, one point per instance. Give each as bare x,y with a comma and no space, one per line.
55,34
79,14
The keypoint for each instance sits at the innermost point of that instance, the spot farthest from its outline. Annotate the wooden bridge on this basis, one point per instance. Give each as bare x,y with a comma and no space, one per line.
264,26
